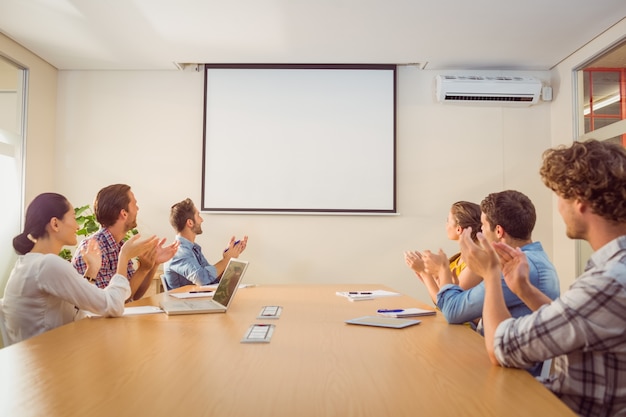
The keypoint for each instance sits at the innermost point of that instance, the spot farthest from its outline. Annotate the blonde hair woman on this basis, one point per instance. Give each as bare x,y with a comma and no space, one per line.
463,214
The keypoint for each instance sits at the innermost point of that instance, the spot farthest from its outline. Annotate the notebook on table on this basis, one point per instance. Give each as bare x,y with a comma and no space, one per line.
378,321
222,297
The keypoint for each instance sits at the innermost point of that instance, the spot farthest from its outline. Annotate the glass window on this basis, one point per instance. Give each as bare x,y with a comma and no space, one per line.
604,90
12,109
603,109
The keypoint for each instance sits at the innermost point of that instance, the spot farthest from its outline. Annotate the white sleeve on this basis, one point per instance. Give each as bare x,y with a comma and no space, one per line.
59,278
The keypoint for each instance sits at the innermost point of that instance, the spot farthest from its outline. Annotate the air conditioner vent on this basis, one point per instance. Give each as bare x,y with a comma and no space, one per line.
502,90
486,98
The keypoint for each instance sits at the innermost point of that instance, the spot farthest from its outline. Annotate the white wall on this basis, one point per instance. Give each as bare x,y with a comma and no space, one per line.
563,131
145,129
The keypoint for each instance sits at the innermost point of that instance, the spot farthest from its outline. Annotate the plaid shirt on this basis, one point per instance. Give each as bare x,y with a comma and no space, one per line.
110,255
585,331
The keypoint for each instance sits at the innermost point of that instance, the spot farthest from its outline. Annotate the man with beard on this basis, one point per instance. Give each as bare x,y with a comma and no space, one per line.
583,330
116,210
189,266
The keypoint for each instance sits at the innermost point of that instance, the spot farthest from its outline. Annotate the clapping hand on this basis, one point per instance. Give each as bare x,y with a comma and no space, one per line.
164,254
414,261
434,262
514,266
439,267
92,255
136,247
235,247
481,258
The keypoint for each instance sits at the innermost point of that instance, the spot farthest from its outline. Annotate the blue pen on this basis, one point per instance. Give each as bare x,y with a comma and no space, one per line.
235,244
382,310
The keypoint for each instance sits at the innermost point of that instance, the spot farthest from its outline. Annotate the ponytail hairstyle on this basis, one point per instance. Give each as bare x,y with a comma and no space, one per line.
38,214
467,214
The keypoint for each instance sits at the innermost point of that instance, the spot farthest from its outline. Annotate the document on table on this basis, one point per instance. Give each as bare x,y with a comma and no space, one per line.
211,287
406,312
133,311
366,295
193,294
130,311
202,291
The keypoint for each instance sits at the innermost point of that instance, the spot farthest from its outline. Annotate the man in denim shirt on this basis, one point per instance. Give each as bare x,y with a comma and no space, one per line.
507,216
189,266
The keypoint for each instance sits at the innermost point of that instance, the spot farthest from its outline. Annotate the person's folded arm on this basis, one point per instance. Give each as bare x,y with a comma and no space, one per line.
520,283
579,320
431,285
60,279
459,306
468,279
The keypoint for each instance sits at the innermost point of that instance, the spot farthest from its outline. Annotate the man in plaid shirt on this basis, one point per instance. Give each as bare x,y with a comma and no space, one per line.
116,210
585,329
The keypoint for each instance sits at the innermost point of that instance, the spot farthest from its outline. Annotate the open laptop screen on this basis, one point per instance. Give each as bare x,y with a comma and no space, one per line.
231,278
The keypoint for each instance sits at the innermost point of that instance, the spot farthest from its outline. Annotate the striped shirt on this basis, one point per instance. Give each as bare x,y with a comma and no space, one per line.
585,331
110,254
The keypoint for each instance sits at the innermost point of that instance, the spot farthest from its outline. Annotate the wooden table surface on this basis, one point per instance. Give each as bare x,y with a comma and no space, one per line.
315,365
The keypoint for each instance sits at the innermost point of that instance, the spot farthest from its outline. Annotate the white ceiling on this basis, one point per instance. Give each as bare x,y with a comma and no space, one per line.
437,34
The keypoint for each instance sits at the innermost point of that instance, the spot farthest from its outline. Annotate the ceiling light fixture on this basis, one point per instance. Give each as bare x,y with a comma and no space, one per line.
602,103
188,66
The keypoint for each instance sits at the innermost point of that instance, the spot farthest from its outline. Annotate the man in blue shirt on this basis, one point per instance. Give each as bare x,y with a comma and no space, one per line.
189,266
509,217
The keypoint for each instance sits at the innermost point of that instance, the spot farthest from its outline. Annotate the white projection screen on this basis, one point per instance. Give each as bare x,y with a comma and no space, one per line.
299,139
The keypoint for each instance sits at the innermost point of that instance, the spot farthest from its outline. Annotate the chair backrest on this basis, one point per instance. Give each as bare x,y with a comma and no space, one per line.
164,283
546,368
3,330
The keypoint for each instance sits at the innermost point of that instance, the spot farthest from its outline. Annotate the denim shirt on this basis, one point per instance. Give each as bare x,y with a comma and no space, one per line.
460,306
189,266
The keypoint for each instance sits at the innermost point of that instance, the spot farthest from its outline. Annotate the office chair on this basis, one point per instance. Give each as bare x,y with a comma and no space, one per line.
164,283
3,331
546,368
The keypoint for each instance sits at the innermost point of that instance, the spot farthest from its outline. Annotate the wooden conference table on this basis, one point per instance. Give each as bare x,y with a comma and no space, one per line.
315,365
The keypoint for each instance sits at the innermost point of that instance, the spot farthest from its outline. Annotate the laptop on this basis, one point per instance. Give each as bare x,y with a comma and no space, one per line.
222,297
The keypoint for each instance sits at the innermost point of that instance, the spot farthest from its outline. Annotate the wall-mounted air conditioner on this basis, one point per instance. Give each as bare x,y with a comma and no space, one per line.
500,90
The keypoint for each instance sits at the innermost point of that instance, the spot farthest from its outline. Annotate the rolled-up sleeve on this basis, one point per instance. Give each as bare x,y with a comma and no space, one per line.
459,306
581,319
70,286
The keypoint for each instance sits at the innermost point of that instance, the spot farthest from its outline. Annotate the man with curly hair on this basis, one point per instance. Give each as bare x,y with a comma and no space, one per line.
585,329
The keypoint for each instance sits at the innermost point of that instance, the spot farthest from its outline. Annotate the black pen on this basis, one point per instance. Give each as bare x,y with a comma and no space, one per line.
200,291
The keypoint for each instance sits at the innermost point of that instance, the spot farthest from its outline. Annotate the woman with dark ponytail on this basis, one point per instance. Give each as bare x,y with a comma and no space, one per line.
44,291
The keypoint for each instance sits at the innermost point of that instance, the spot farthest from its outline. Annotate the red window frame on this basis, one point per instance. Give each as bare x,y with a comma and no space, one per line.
593,116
